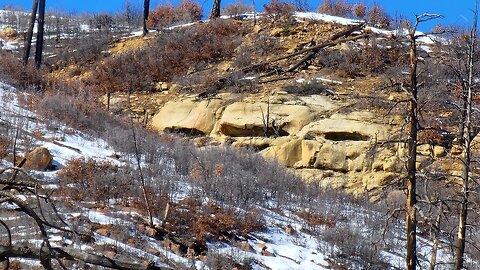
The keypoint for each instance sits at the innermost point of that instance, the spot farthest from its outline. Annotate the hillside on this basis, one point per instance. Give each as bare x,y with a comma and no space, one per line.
277,143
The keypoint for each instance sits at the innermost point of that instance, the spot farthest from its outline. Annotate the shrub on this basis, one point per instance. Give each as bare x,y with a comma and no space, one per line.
362,255
80,50
301,5
336,8
99,181
360,10
278,9
15,73
378,16
189,11
235,9
206,222
313,87
102,21
370,58
375,15
4,146
166,15
314,220
161,17
258,45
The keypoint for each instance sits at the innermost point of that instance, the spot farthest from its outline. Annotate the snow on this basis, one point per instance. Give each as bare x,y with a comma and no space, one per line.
424,40
100,239
63,143
8,45
326,18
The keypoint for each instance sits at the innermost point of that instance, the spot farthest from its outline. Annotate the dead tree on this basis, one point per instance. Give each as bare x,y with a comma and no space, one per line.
412,133
215,9
40,32
146,12
411,215
28,39
468,136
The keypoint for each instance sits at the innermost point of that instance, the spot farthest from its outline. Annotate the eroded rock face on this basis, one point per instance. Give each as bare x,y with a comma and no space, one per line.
188,116
306,133
342,127
243,119
39,159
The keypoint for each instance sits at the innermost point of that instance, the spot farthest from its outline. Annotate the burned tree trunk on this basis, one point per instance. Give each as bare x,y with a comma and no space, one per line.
146,12
412,130
215,9
40,31
467,140
28,39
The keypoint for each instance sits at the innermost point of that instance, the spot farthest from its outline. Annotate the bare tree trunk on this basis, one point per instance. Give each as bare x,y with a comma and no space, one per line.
411,214
436,241
40,31
148,206
215,9
28,39
73,255
146,12
467,140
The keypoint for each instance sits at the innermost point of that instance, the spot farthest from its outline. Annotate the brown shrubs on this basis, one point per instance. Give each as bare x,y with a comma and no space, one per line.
315,220
84,179
376,15
278,9
360,10
15,73
204,222
170,55
4,145
336,8
372,58
167,15
235,9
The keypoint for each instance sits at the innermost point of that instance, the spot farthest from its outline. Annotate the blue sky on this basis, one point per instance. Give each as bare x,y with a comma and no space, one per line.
457,12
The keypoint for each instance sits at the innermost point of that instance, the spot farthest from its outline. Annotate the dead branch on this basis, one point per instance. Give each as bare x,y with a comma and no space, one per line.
317,47
312,53
74,255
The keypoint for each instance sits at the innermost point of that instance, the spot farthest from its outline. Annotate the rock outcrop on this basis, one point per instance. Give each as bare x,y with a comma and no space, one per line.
311,134
39,159
188,116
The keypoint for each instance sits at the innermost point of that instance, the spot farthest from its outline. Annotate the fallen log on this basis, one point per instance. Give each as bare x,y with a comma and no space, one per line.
73,255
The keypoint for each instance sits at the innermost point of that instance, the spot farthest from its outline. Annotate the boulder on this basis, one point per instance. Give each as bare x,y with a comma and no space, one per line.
288,153
9,32
188,116
39,159
243,119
